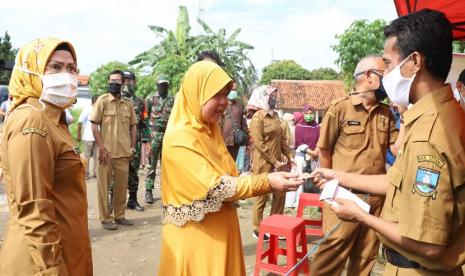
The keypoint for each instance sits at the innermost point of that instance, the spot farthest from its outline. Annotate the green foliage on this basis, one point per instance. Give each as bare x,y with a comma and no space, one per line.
98,84
174,68
458,47
325,74
178,50
284,70
8,53
362,38
145,85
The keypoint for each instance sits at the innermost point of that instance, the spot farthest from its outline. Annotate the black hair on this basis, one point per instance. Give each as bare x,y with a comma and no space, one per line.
462,77
210,54
116,72
427,32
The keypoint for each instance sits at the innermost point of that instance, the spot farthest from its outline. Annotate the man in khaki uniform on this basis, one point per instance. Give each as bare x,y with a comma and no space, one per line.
422,227
269,147
115,116
355,134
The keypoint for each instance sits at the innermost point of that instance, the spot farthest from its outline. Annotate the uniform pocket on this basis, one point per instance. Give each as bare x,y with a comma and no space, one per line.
126,116
382,125
353,136
108,116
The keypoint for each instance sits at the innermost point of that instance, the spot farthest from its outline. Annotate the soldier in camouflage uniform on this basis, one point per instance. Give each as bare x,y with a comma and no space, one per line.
139,106
159,109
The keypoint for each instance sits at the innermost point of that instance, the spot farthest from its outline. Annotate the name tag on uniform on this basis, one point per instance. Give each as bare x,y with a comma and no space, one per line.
353,123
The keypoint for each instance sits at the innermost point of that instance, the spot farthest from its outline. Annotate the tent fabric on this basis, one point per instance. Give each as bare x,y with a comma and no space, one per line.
453,9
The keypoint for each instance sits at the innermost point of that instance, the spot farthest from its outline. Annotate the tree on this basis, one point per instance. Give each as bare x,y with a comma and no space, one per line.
178,50
6,53
362,38
284,70
98,84
458,47
145,85
325,74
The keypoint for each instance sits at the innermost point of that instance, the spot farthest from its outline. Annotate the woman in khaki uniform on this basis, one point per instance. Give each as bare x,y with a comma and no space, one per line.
270,145
47,231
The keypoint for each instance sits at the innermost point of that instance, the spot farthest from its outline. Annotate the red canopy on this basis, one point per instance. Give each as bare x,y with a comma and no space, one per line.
453,9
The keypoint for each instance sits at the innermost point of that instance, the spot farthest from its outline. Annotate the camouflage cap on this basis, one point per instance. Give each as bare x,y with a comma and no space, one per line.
162,79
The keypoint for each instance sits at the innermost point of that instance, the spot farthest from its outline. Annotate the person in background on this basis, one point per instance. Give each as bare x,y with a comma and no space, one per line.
270,149
86,136
47,232
112,117
460,89
288,119
159,111
307,132
4,107
210,55
233,119
201,234
129,93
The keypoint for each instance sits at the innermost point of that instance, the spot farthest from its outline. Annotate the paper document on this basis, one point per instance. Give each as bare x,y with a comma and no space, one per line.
332,190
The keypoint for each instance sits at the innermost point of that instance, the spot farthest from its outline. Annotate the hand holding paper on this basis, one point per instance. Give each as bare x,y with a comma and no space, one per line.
333,191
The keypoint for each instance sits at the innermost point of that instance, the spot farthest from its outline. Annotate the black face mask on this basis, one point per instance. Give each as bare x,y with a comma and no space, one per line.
162,89
114,88
380,93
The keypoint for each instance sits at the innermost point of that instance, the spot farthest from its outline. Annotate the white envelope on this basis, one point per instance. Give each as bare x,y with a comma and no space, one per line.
332,190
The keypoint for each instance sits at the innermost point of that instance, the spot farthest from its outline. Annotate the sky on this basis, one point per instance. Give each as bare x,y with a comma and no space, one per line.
104,31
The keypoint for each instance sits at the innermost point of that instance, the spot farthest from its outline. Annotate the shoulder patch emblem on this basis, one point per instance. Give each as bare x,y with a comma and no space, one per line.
39,131
430,158
426,182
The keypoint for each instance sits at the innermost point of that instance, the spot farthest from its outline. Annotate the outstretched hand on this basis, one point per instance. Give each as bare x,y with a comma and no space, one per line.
320,176
284,181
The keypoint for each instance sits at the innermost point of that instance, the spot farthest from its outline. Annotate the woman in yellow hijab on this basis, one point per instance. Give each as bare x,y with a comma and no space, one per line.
47,231
199,181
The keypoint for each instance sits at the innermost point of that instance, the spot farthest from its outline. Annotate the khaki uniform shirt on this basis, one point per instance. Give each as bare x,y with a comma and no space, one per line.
115,117
47,231
268,140
357,137
427,192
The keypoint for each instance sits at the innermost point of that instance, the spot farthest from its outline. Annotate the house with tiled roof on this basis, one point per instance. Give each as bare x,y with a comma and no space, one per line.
294,94
83,80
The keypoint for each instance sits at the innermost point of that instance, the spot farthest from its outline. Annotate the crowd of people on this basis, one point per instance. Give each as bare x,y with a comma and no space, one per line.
230,149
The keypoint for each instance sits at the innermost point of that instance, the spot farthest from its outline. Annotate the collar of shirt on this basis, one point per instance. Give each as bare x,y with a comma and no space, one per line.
428,103
356,100
113,98
52,112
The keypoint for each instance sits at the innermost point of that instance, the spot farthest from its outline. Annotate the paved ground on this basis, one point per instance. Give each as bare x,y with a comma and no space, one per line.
135,250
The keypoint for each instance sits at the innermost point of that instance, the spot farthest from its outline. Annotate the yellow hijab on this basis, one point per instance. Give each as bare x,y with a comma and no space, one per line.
194,154
32,57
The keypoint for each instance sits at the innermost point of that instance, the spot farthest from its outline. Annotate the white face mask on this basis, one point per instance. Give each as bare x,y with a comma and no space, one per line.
59,89
398,87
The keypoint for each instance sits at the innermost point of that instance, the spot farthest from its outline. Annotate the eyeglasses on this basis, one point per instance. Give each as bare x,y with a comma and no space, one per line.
377,72
58,67
116,81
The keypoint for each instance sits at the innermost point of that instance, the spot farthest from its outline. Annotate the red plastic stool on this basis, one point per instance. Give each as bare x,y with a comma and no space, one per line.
292,229
306,200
